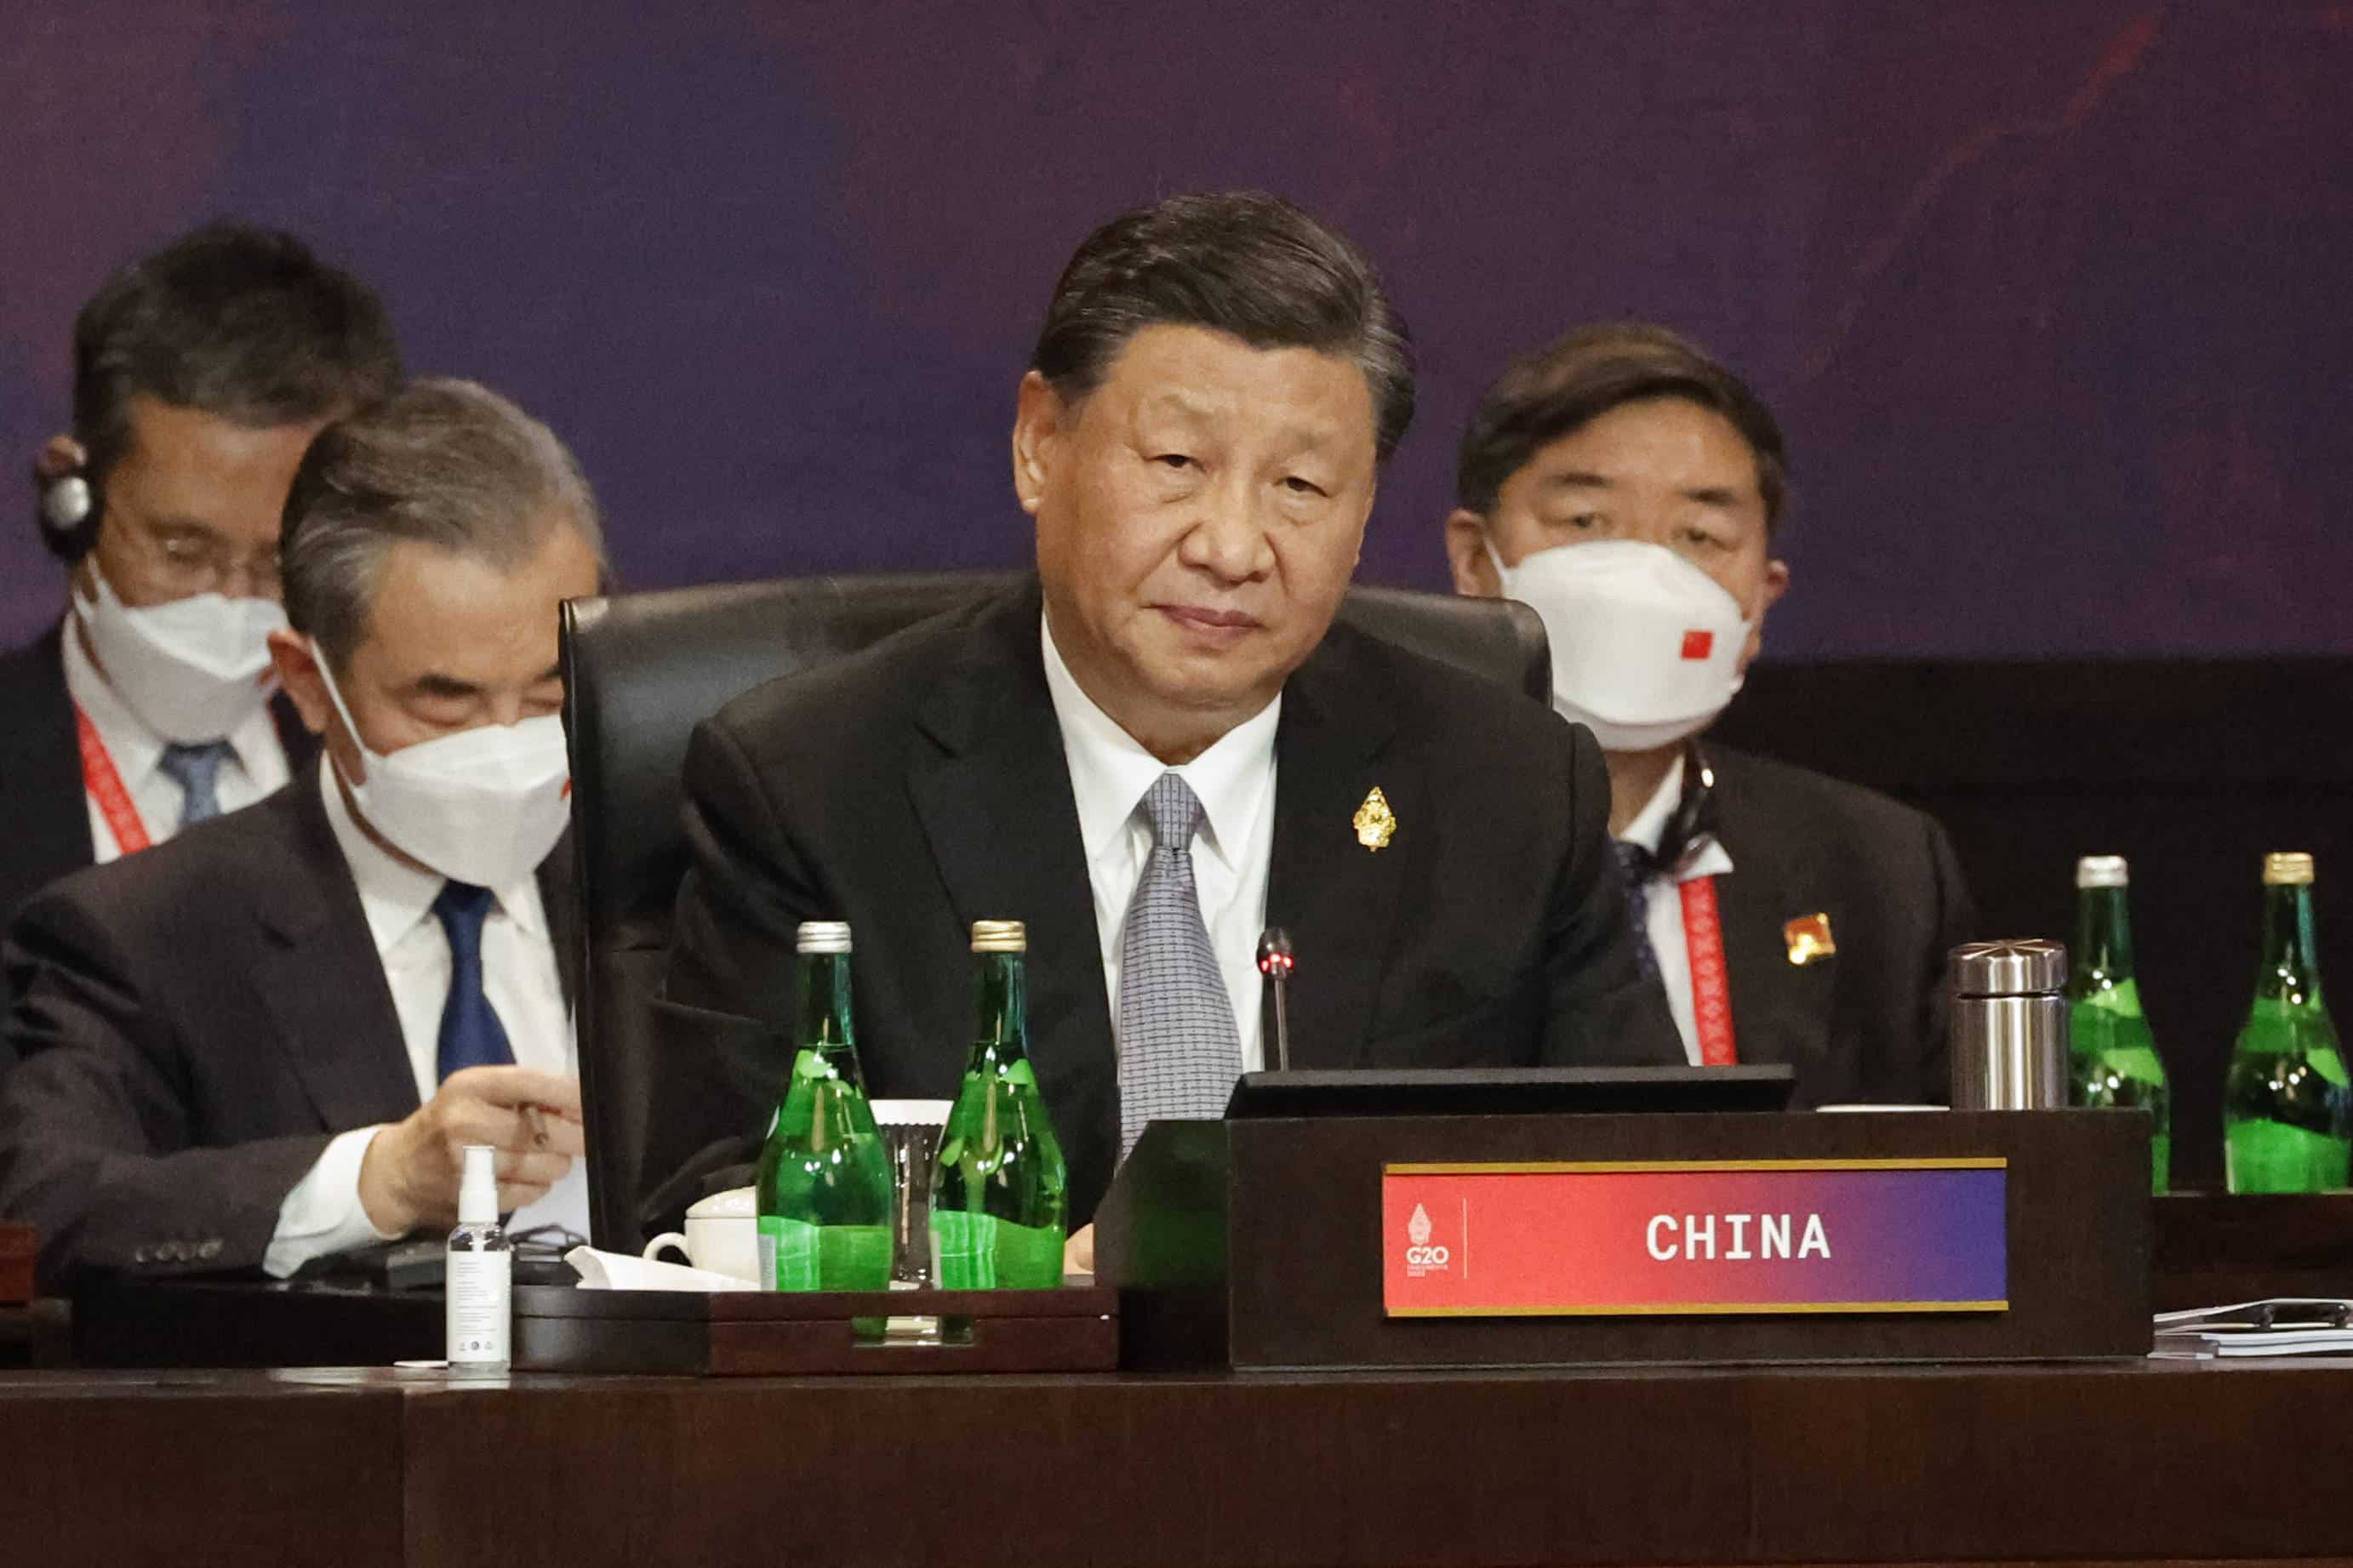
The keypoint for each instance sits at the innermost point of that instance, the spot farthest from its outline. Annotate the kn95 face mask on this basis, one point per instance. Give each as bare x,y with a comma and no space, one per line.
1645,646
482,806
193,670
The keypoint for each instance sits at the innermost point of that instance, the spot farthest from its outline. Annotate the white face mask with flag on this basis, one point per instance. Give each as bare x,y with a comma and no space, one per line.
194,670
1645,646
483,805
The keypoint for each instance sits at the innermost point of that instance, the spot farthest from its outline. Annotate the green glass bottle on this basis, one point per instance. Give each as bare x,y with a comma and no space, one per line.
824,1187
2287,1126
1000,1200
2112,1060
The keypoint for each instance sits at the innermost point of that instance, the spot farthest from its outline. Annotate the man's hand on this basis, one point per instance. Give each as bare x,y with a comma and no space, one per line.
1079,1252
410,1173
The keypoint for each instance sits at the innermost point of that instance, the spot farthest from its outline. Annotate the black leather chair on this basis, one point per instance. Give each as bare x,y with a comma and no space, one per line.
642,670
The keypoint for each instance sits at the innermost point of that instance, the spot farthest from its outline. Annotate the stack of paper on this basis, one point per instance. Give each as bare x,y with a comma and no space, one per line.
2284,1325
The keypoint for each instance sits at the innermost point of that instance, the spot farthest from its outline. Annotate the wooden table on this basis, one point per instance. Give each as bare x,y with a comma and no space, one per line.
2131,1462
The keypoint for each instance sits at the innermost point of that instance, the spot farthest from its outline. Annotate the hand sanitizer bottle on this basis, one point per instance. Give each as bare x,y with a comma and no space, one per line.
479,1279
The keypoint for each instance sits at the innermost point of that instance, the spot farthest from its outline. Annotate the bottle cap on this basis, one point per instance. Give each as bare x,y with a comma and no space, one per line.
2023,966
823,936
2287,869
999,936
2102,871
478,1192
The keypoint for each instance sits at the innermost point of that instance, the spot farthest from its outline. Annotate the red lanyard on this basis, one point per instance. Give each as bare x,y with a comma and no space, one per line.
105,786
1710,985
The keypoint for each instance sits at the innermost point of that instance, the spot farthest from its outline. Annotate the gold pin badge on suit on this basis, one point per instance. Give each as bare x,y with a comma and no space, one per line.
1374,823
1810,940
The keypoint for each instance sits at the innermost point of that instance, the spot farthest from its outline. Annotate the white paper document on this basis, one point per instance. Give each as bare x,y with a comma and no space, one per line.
2282,1326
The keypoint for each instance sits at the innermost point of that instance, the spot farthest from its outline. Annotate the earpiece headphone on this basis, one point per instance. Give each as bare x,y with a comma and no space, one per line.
68,516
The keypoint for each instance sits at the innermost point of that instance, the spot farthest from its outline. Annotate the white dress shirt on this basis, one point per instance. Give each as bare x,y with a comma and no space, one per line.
1234,780
255,766
323,1214
1663,909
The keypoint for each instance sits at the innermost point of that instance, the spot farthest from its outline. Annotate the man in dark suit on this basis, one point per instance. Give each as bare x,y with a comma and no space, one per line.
269,1040
1628,487
1161,746
200,374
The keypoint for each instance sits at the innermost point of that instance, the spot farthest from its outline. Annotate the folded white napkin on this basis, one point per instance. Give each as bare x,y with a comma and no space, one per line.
620,1272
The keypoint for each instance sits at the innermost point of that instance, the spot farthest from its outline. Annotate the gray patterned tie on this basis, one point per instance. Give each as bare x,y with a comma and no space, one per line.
1178,1051
196,770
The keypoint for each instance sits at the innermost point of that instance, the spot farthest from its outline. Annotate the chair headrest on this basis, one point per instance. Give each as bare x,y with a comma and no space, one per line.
642,670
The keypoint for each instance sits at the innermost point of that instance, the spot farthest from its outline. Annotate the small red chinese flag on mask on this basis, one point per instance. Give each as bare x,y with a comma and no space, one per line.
1698,644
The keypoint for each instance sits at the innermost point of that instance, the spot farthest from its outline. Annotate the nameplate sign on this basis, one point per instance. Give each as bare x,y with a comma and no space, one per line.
1695,1236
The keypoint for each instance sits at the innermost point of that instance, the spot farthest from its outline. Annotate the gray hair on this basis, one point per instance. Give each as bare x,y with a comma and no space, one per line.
445,463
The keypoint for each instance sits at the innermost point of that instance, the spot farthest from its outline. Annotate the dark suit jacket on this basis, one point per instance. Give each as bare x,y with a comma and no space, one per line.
1868,1022
41,796
194,1023
921,786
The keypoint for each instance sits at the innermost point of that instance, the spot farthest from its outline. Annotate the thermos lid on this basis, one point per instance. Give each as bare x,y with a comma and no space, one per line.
2023,966
999,936
2287,869
2102,871
823,936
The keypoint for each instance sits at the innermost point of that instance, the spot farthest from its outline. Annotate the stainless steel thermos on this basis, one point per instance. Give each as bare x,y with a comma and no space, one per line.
2009,1025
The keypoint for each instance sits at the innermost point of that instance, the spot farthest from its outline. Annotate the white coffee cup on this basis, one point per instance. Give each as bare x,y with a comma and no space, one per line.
721,1235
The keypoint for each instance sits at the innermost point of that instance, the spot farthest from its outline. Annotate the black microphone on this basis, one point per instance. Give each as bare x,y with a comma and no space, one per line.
1274,962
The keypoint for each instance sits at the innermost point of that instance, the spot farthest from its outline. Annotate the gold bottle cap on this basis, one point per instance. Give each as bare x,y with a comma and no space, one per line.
822,936
2287,869
999,936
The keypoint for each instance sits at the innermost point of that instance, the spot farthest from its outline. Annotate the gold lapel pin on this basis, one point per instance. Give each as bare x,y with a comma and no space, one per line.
1374,823
1810,939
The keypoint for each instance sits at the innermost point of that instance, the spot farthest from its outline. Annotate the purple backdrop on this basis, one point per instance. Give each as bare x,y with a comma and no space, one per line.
2051,298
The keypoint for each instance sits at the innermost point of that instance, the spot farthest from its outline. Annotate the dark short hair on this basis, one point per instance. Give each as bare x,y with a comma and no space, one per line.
1566,385
446,463
1239,262
242,323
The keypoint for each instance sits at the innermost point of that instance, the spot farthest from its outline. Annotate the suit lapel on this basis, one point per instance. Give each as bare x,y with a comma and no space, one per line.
1337,897
992,792
1780,1011
40,773
320,977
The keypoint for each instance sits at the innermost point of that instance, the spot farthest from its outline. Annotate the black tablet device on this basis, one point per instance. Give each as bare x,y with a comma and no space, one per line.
1510,1092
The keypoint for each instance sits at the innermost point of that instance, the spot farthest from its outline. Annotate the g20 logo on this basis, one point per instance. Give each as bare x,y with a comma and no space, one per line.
1420,1257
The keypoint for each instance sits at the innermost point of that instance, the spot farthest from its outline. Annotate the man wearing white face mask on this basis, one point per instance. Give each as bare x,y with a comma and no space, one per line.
1628,487
269,1040
201,373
